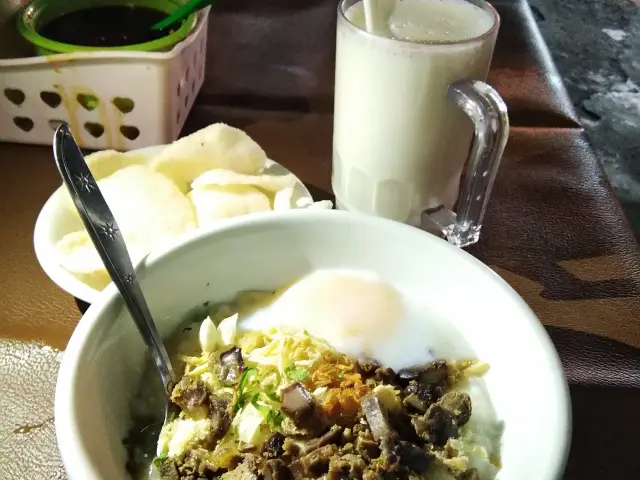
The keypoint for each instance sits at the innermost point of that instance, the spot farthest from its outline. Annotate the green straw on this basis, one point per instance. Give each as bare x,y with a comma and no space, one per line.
183,12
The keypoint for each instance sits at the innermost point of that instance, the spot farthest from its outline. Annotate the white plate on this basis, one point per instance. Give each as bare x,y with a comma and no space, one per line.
54,222
101,367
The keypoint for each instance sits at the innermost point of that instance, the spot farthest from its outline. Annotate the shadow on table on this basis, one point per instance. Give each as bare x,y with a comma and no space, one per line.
605,420
259,7
606,410
594,360
319,194
82,305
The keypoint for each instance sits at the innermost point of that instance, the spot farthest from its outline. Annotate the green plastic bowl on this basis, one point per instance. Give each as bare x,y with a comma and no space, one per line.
39,12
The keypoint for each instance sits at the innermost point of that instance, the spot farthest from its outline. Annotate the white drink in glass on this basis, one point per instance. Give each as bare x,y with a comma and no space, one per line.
399,143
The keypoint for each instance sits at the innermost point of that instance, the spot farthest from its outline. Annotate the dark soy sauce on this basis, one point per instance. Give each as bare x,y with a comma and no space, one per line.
106,26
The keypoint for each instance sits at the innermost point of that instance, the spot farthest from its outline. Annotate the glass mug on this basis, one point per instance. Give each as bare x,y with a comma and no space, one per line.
406,112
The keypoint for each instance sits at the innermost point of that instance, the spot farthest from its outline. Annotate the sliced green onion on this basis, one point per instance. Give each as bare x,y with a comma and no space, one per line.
272,395
246,375
157,462
260,407
274,418
297,374
242,397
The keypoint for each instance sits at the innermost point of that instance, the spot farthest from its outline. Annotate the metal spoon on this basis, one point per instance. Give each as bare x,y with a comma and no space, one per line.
107,238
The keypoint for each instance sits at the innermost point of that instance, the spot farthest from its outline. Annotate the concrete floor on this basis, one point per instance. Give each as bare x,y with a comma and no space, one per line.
596,47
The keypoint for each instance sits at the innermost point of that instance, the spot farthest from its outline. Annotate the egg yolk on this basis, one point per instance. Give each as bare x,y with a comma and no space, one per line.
336,306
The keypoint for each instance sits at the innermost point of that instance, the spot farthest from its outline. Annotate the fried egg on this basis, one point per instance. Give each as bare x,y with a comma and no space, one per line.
357,313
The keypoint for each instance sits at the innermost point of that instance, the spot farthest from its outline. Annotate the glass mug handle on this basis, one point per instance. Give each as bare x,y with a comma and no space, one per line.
488,112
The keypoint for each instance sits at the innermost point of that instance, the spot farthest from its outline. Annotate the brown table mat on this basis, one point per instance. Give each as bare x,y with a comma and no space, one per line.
553,231
282,58
34,309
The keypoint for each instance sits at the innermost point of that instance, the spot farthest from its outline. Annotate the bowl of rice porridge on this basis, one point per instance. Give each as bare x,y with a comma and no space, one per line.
316,344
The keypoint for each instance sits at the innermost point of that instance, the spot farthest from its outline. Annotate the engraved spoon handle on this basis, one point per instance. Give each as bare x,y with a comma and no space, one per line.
107,238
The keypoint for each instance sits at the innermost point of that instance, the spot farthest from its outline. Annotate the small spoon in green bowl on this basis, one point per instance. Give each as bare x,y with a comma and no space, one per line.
183,12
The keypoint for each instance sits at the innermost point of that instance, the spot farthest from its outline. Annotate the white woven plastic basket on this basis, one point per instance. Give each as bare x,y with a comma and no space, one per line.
116,100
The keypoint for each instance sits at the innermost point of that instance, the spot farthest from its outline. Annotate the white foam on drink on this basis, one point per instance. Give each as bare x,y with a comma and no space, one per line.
428,21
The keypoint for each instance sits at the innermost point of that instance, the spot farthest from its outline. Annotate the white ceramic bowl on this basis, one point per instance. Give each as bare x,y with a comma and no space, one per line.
54,222
102,363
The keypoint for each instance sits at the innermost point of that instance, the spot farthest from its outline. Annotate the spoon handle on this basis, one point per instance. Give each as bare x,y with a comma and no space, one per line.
107,238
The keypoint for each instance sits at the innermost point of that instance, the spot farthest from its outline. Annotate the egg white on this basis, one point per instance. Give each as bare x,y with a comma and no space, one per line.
358,314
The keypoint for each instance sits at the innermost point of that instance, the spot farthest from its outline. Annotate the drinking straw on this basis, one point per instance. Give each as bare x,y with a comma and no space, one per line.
370,12
182,12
